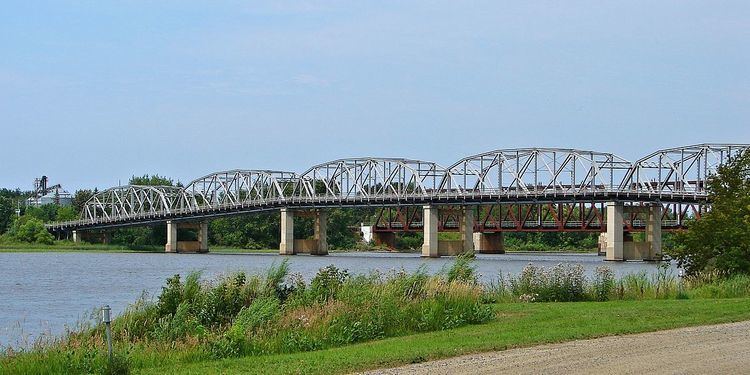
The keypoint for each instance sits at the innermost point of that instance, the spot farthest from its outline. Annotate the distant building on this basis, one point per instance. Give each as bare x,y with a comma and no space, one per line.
48,195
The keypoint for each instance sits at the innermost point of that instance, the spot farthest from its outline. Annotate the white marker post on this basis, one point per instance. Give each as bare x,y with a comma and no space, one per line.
107,319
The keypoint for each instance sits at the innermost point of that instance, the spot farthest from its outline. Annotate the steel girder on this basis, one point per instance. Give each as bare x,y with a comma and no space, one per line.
373,178
538,171
681,170
237,187
130,202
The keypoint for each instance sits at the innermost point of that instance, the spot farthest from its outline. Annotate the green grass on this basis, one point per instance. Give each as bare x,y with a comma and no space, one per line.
517,325
68,246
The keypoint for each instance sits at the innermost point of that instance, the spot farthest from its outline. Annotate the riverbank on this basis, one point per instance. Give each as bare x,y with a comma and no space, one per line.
516,325
68,246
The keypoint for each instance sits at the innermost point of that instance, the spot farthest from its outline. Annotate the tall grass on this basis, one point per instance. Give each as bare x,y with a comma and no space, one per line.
240,315
567,283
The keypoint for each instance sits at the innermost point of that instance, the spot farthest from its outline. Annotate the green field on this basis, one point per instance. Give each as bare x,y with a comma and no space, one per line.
516,325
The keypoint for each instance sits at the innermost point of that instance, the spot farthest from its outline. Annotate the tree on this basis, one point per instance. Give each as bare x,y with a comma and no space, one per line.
720,240
6,213
80,198
66,213
45,213
30,229
151,180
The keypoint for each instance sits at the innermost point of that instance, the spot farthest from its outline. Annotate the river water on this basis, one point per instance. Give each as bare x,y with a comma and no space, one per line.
43,293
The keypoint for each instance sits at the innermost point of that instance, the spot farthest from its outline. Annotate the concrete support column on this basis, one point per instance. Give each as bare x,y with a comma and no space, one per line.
614,231
286,245
76,236
653,231
489,243
203,237
430,219
171,245
321,237
466,227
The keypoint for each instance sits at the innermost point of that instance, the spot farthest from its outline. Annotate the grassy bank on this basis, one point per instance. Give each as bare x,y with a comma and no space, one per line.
246,322
69,246
516,325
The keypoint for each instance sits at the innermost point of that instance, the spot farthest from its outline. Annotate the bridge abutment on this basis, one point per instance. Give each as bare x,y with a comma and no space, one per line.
318,245
174,245
434,247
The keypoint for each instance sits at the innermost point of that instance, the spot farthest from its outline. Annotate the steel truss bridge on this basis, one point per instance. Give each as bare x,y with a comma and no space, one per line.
524,189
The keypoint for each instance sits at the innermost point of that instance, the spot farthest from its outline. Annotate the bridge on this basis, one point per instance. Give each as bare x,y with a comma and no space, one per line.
480,196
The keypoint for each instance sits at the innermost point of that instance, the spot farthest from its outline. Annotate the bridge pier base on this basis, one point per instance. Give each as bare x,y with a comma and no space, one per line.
489,243
76,236
433,247
316,246
174,245
620,247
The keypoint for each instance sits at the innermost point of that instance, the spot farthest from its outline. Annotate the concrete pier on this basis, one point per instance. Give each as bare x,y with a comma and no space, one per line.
318,245
430,220
489,243
174,245
286,245
614,231
433,247
621,246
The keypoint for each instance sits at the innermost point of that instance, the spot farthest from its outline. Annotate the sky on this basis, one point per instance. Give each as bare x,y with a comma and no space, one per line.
93,92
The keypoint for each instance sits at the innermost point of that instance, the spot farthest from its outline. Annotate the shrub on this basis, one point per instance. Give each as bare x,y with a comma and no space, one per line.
603,284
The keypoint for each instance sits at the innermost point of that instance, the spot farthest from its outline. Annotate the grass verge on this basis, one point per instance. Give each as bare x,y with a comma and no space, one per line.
517,325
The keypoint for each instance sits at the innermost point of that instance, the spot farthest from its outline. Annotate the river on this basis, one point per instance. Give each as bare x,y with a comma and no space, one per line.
42,293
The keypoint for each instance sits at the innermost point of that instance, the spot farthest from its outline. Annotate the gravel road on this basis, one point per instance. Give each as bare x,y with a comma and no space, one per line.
717,349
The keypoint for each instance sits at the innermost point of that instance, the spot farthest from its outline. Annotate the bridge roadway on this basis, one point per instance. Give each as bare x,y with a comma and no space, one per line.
528,189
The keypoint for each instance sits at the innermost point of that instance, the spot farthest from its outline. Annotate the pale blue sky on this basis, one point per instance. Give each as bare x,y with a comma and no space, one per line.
92,92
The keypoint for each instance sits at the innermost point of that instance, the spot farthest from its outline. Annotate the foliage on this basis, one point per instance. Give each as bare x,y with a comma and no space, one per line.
550,241
30,230
81,197
7,211
45,213
720,240
152,180
65,213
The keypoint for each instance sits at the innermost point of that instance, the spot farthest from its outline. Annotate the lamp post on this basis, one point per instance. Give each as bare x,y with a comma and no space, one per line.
107,319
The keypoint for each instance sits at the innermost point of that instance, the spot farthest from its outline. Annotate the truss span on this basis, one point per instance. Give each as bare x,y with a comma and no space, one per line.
130,202
373,178
238,187
537,172
674,175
